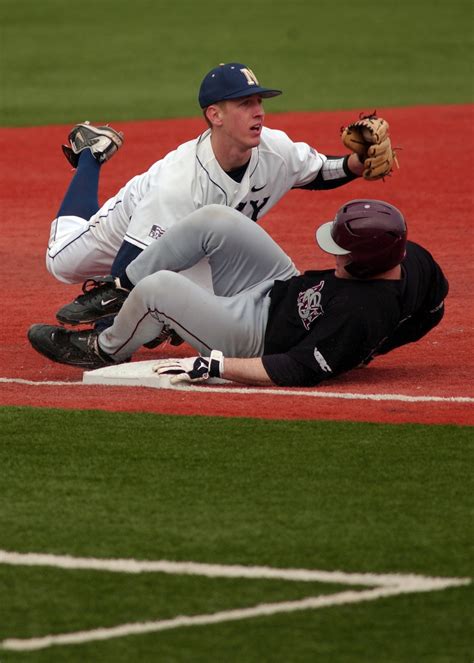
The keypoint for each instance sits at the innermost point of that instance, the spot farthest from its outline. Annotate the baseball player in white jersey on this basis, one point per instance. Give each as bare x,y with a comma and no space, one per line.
236,162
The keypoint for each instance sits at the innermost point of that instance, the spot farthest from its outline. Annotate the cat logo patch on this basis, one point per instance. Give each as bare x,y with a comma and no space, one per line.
309,305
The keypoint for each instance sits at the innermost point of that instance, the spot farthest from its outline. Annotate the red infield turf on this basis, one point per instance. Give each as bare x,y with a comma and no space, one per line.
432,187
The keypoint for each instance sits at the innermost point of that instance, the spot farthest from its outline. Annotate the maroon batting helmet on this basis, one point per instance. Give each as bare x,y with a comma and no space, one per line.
373,232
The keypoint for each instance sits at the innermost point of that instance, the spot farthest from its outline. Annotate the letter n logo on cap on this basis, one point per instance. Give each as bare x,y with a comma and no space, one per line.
250,76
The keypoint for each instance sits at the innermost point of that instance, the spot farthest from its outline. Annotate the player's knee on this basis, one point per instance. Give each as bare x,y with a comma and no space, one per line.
160,286
61,270
220,216
61,261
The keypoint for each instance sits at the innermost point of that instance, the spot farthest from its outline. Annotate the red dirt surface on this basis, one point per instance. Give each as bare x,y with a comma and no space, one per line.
433,188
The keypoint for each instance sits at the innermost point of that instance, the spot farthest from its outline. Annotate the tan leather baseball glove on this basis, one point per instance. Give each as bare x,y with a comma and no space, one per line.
369,138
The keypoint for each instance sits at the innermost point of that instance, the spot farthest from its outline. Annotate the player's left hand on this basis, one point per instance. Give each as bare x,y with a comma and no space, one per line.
192,369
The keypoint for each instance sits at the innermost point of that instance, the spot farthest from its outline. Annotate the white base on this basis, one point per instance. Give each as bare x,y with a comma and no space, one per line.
136,374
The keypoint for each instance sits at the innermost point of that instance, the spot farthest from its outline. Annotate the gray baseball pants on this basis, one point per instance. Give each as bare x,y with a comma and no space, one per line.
244,262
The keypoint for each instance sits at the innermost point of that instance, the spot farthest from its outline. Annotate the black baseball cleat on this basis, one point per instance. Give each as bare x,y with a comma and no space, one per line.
103,296
102,141
76,348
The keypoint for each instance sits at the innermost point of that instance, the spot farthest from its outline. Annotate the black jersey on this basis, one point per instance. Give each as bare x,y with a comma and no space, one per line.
320,325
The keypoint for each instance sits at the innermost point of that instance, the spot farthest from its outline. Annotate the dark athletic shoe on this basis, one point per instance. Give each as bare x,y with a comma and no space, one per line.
76,348
103,142
102,297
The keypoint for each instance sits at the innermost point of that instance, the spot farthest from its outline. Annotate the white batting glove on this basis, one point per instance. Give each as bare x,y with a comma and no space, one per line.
192,369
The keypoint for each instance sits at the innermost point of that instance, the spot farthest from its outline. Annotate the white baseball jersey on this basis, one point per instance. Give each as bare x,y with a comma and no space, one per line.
186,179
191,177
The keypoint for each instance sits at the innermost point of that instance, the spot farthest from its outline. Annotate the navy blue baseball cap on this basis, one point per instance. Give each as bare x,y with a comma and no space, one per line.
231,81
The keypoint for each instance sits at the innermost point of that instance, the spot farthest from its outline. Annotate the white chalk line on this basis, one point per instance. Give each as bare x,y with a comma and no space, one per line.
40,383
385,585
261,610
208,570
273,392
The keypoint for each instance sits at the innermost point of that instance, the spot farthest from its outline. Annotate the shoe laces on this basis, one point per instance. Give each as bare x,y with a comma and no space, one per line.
91,284
90,338
95,286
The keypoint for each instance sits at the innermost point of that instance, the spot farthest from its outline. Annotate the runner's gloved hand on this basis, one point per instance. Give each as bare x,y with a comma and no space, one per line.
192,369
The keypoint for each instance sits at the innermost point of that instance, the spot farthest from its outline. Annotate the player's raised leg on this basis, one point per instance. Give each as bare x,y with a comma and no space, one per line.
75,248
238,252
241,254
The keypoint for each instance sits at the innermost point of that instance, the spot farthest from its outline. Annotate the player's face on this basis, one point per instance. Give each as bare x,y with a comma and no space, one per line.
242,120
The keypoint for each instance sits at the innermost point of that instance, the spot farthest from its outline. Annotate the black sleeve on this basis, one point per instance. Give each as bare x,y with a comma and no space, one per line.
287,372
412,329
320,183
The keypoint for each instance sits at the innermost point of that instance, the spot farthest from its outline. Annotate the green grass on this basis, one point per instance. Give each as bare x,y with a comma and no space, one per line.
119,60
333,496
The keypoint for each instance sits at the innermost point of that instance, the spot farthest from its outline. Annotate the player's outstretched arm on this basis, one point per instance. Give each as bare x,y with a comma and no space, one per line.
271,370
